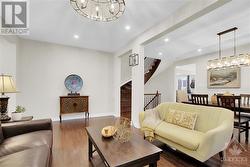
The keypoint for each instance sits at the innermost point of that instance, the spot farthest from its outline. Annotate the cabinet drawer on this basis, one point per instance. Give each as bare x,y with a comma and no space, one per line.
74,104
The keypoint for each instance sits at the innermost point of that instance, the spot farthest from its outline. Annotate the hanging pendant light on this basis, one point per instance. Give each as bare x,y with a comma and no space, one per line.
230,61
99,10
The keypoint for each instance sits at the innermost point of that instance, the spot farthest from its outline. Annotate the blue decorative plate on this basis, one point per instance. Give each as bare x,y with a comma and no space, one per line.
73,83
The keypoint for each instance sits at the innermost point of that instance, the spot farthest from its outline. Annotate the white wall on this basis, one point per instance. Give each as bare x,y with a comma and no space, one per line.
181,17
165,82
42,68
126,70
8,52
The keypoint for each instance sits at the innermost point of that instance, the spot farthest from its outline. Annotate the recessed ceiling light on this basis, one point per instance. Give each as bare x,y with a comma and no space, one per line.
160,53
199,50
76,36
127,27
166,39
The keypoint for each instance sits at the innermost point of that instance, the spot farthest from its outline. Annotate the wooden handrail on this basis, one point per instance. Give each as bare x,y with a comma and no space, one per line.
156,96
148,94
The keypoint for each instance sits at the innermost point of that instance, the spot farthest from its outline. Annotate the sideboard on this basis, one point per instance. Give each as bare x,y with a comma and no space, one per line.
74,104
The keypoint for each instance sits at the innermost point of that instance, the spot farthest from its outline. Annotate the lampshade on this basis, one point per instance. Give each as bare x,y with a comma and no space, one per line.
7,84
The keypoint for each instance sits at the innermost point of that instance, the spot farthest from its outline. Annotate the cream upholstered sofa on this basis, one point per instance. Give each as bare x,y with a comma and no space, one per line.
211,134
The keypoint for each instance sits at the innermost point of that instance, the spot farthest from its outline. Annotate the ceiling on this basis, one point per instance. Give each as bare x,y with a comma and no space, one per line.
201,33
55,21
189,69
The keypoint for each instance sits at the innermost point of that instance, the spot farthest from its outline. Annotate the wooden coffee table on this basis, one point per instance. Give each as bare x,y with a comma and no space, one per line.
135,153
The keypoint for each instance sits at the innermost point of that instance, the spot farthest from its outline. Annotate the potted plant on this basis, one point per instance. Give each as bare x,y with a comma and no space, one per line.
18,114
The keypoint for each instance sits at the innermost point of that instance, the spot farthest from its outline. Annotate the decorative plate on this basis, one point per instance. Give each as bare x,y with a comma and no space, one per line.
73,83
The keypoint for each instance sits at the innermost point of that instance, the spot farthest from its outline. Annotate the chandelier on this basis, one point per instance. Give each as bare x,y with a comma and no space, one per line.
230,61
99,10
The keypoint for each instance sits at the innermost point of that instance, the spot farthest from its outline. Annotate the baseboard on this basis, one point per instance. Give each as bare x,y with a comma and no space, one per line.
81,116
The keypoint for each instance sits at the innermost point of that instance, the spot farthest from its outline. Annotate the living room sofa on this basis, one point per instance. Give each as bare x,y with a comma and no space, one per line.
26,144
211,135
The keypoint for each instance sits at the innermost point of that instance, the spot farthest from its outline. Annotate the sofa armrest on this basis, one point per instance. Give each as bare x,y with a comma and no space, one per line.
141,117
216,139
18,128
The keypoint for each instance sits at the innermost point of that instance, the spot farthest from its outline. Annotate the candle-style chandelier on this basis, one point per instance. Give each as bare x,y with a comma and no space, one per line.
229,61
99,10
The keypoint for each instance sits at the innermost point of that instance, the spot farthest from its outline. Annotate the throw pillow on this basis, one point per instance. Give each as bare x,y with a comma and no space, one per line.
182,118
170,116
152,119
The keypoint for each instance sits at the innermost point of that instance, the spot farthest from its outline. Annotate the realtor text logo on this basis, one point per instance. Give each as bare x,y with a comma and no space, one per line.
14,17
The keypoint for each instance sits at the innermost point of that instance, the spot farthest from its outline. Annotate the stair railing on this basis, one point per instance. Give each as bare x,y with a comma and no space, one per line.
151,100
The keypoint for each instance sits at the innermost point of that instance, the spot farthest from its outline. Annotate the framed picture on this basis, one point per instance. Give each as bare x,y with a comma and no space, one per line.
224,78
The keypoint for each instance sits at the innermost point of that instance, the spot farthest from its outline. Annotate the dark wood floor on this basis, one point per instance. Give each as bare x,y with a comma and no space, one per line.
70,149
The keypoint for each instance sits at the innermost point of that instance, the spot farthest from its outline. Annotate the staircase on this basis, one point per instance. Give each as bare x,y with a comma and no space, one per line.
150,66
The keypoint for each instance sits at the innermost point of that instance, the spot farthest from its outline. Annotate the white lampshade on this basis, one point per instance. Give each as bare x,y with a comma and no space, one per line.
7,84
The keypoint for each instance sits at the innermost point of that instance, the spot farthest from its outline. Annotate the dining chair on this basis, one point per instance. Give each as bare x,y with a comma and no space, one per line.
199,99
181,96
233,103
245,99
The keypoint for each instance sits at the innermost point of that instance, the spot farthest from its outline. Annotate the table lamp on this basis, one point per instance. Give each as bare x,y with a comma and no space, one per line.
6,86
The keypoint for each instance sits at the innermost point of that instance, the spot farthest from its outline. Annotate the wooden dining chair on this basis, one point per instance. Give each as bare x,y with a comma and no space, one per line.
233,103
245,99
201,99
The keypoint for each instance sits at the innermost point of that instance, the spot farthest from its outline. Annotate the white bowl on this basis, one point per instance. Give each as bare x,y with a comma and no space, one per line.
16,116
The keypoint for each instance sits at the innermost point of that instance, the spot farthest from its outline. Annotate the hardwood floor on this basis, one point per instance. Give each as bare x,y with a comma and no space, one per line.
70,150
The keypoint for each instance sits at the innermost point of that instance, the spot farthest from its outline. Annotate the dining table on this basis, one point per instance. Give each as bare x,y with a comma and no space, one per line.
245,108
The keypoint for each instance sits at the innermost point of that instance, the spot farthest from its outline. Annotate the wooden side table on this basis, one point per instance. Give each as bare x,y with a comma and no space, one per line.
27,118
74,104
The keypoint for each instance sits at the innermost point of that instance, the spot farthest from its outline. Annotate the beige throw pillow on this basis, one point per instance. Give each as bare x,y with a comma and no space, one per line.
152,119
182,118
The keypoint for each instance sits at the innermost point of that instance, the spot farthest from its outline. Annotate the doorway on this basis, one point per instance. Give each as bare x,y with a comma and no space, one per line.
185,81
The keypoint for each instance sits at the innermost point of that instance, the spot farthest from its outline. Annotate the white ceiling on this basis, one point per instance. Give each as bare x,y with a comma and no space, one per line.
201,33
55,21
189,69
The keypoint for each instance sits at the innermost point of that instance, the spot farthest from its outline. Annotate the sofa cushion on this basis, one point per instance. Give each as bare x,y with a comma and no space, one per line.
35,157
187,138
181,118
26,141
1,134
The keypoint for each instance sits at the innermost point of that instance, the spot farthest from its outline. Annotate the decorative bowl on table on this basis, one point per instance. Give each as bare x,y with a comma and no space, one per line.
108,131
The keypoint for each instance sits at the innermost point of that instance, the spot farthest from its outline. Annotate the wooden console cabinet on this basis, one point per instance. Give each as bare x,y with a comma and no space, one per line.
74,104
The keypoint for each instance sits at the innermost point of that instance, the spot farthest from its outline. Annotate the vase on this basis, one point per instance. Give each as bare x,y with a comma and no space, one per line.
214,99
123,127
16,116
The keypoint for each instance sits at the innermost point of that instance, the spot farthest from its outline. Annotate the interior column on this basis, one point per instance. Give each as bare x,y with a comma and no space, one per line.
138,86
